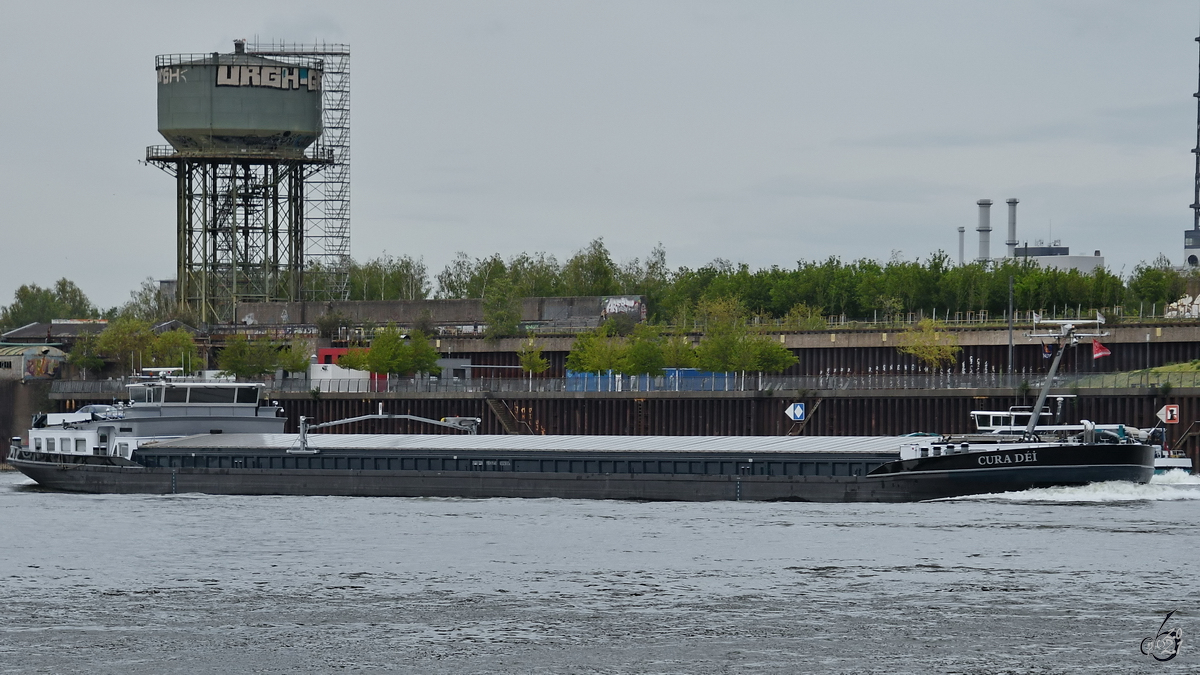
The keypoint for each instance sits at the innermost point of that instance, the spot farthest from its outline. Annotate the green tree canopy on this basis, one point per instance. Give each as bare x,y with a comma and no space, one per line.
34,304
175,348
929,342
85,354
128,341
246,359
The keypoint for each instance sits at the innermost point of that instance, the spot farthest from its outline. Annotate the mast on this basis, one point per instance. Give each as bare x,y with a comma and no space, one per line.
1066,336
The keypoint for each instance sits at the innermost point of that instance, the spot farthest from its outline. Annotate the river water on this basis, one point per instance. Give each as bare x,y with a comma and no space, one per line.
1066,580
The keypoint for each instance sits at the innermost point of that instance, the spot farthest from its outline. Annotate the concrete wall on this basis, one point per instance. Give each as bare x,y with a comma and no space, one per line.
407,312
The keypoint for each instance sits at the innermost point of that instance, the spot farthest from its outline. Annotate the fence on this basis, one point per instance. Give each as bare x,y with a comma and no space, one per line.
720,382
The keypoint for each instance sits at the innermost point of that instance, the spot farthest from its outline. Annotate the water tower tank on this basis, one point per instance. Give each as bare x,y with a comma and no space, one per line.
237,103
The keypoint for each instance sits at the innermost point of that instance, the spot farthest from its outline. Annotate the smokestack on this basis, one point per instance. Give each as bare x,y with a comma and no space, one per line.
962,244
1012,227
985,229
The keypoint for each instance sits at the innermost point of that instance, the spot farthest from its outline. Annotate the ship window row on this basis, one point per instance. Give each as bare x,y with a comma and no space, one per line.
576,466
194,394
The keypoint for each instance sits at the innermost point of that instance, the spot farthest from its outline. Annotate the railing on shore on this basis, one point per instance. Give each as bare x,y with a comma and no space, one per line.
721,382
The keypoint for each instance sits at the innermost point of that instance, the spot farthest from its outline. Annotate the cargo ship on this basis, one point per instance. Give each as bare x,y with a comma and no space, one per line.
178,436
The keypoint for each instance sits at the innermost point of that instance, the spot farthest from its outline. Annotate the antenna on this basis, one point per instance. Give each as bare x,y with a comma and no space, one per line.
1196,152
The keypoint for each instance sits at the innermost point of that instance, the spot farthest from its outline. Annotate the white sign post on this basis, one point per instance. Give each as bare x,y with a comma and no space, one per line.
795,412
1169,414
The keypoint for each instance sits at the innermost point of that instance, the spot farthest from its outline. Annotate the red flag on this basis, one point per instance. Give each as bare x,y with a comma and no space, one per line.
1099,350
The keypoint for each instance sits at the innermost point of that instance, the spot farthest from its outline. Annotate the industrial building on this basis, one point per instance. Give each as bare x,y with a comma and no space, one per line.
1053,256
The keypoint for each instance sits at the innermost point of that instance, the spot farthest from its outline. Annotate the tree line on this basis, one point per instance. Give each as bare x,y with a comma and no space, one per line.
862,289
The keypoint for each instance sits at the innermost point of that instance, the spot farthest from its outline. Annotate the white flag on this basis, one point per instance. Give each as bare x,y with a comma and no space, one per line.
1036,317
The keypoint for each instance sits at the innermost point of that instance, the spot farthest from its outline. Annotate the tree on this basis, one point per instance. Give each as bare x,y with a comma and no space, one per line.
644,355
329,324
244,359
388,352
598,351
501,310
678,352
295,358
148,303
390,278
175,348
423,357
531,359
85,354
34,304
1157,283
726,344
354,359
930,344
590,271
771,356
804,317
127,341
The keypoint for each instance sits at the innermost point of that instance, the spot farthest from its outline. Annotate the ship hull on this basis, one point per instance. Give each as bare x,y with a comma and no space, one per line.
343,474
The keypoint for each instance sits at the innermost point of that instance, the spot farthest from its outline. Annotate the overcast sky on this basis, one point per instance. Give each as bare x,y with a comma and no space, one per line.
759,132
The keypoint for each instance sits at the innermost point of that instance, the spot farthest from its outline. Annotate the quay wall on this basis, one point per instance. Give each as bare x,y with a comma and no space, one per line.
831,413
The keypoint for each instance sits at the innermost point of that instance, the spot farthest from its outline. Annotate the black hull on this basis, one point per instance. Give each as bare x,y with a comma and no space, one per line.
898,481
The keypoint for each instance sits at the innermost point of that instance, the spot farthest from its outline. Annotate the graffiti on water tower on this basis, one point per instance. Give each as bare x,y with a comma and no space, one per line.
271,77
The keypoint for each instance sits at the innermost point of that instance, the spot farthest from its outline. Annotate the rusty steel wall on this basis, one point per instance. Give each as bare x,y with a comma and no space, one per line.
866,415
848,414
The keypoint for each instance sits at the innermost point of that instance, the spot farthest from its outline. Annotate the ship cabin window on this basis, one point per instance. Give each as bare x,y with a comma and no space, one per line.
213,394
6,364
37,444
81,445
123,449
49,445
146,395
175,395
247,395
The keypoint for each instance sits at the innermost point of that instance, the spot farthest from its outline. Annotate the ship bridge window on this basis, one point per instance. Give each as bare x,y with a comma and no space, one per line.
247,395
213,395
146,394
175,395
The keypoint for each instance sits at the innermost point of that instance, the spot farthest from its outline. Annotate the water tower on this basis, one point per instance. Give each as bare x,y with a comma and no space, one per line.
246,134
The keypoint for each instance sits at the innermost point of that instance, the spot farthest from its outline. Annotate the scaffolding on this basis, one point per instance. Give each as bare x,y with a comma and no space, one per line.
239,227
326,243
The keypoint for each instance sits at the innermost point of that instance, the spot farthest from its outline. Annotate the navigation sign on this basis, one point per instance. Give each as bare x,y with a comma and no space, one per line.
795,412
1169,414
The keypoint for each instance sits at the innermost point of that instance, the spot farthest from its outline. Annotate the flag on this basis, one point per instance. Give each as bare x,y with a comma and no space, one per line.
1099,350
1047,351
1036,317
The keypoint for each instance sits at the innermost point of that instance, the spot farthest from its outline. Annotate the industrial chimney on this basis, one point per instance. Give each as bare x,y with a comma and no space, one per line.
1012,227
985,230
962,244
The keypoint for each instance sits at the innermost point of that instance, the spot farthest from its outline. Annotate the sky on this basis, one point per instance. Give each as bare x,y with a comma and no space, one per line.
760,132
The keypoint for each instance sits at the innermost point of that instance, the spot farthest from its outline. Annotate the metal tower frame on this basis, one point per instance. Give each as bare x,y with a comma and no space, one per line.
326,244
239,228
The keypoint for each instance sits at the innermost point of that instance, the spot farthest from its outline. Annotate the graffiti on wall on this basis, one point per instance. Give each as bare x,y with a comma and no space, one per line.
623,304
41,367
